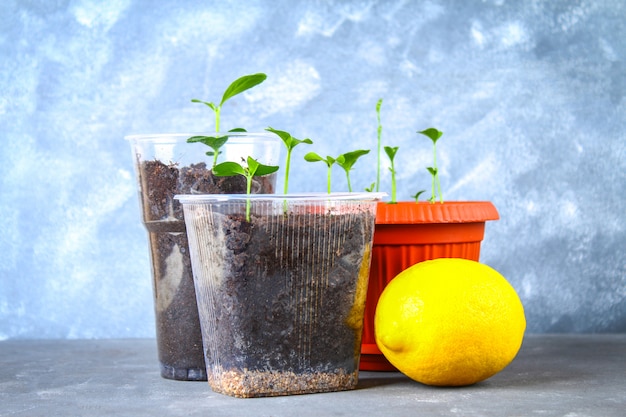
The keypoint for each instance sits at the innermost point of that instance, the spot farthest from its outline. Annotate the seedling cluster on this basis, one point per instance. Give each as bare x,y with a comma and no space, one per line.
345,161
433,134
250,167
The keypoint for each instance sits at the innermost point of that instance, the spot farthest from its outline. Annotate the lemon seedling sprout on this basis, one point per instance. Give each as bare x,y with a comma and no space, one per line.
238,86
253,169
347,161
290,143
434,135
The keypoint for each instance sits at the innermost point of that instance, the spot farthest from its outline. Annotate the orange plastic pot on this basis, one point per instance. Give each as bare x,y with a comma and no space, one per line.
407,233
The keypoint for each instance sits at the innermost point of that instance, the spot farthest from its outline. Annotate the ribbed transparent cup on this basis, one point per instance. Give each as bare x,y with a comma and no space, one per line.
166,165
281,282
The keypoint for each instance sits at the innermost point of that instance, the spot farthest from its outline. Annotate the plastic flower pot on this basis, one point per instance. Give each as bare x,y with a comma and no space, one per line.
407,233
166,165
281,294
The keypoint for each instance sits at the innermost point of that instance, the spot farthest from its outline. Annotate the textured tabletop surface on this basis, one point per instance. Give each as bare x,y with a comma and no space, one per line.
553,375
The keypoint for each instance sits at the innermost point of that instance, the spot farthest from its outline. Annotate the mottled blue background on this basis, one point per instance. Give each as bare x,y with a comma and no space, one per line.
530,95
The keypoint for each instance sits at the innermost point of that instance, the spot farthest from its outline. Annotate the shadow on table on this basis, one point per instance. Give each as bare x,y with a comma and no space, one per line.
501,381
379,379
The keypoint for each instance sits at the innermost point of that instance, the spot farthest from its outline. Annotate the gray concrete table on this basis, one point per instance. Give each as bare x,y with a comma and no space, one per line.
553,375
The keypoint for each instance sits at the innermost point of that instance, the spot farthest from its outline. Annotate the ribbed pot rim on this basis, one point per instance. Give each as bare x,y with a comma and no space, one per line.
410,212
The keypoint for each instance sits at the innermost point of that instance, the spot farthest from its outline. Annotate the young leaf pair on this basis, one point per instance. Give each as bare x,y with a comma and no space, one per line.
238,86
253,169
345,161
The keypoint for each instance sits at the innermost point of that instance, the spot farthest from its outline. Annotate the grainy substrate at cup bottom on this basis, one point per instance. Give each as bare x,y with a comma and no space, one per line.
249,384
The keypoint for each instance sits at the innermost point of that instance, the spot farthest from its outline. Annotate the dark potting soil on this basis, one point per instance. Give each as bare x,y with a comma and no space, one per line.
179,337
162,182
178,327
288,318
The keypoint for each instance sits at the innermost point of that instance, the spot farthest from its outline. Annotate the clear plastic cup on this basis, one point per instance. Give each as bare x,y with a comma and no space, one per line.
166,165
281,291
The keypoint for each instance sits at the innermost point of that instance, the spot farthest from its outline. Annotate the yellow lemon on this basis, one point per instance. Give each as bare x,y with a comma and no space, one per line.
449,322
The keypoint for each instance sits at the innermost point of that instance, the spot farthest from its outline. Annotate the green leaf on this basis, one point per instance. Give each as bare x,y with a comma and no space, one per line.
285,136
298,141
391,152
289,141
252,165
348,159
211,141
211,105
228,169
266,170
418,194
242,84
257,169
313,157
196,139
433,171
432,133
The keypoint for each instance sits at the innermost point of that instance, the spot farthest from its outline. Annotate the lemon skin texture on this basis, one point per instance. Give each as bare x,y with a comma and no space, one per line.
449,322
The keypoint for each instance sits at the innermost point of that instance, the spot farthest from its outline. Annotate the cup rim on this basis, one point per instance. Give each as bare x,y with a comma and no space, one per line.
318,196
236,137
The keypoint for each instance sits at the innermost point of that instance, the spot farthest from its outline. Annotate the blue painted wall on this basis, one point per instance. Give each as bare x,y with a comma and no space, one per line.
530,95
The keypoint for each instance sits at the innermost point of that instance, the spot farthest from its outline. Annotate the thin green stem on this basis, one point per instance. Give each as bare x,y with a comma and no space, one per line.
286,185
380,131
248,202
328,179
287,165
393,182
349,185
217,119
436,176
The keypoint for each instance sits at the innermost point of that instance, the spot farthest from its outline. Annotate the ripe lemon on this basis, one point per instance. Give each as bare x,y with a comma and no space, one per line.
449,322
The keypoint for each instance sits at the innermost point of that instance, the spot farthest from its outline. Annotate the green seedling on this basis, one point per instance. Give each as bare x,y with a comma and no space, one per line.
236,87
213,142
253,169
391,153
379,136
347,161
371,188
434,135
329,161
418,194
290,142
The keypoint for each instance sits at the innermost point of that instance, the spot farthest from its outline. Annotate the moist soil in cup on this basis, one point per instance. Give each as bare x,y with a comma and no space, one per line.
289,321
162,182
179,337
